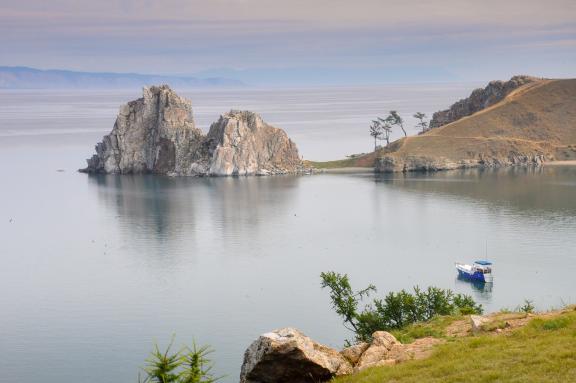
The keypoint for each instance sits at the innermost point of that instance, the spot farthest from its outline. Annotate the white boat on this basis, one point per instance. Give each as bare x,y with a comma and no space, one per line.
479,271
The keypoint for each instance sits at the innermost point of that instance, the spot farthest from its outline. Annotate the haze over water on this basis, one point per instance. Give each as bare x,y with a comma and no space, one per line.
94,269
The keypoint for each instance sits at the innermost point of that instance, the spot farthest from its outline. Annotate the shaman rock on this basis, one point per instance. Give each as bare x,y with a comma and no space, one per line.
156,134
241,143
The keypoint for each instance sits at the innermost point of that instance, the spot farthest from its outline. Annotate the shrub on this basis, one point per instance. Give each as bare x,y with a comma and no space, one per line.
527,307
396,310
189,365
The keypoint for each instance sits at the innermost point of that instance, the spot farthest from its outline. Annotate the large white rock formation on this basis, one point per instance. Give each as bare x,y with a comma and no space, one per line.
156,134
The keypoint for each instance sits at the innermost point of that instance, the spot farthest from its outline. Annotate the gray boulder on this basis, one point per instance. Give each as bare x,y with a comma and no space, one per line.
287,355
477,322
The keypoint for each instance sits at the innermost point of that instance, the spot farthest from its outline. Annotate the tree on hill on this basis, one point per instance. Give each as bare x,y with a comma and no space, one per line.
395,119
386,129
423,124
376,132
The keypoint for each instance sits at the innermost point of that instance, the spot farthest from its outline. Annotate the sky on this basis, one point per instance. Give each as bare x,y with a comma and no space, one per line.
295,41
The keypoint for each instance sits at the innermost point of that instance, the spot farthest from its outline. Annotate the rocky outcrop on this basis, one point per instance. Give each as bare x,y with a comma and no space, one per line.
479,99
353,353
156,134
288,356
394,164
242,144
376,354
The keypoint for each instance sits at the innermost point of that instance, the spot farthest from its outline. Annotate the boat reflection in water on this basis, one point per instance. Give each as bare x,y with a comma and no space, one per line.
481,291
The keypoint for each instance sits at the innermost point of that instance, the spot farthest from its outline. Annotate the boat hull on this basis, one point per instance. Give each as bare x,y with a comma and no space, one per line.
473,275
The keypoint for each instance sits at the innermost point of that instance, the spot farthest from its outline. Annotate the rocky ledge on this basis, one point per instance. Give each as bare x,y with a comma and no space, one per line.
288,356
391,164
479,99
156,134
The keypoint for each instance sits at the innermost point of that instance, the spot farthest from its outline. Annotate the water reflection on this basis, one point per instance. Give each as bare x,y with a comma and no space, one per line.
177,213
481,291
530,191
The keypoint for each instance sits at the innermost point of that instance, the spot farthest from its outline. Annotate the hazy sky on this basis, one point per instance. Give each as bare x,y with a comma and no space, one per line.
334,41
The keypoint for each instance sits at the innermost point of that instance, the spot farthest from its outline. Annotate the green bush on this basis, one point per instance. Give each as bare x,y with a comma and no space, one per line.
188,365
396,310
527,307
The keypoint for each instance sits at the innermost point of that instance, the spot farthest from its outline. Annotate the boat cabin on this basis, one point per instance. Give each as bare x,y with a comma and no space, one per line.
483,267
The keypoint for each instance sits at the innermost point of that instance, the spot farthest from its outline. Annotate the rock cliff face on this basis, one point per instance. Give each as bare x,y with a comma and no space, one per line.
392,164
479,99
156,134
242,144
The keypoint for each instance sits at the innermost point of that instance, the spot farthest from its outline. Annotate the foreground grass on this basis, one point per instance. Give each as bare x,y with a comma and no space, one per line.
435,328
542,351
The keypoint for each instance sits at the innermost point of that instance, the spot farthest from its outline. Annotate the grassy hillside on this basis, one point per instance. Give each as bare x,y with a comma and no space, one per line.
361,161
536,118
544,350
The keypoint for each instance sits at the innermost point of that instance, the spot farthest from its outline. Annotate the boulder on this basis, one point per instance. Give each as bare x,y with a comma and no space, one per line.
477,321
377,353
156,134
287,355
353,353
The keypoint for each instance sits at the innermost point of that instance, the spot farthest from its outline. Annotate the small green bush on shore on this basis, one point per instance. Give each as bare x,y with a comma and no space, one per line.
396,310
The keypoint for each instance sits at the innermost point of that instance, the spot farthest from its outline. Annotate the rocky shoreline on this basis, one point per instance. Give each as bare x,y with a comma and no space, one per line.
390,164
288,356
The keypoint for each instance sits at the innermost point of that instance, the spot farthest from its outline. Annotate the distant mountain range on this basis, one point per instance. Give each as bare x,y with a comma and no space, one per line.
30,78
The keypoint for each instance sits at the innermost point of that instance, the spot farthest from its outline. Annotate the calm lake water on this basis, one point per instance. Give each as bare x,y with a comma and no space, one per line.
95,269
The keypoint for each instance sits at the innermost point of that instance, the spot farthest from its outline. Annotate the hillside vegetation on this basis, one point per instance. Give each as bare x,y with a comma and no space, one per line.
535,121
543,350
539,117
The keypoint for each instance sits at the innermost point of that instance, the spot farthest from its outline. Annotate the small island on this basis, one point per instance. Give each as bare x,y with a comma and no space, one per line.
156,134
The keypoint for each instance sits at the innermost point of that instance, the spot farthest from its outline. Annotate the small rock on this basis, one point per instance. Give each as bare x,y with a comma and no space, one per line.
353,353
382,343
477,321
